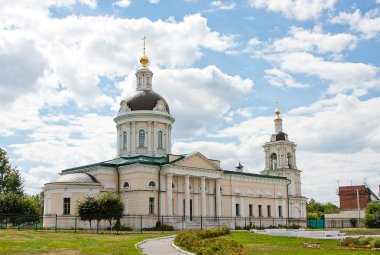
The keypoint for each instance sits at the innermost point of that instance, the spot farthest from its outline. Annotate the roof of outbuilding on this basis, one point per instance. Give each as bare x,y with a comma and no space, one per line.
75,178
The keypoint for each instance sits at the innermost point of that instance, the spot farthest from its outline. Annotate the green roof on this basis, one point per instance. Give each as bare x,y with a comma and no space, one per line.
255,175
122,161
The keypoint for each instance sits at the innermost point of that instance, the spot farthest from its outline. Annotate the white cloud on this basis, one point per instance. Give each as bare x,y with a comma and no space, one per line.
295,9
367,24
122,3
280,79
196,97
154,1
314,40
357,78
78,50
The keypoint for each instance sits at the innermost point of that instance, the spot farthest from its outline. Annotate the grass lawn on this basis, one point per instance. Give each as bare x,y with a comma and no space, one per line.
360,231
265,244
49,242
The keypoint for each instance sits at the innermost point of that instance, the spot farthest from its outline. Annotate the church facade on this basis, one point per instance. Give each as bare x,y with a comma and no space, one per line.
154,182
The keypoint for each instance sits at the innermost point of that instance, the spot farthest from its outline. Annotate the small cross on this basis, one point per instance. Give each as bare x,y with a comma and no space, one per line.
144,38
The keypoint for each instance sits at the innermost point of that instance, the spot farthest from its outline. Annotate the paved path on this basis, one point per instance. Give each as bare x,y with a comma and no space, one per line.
161,246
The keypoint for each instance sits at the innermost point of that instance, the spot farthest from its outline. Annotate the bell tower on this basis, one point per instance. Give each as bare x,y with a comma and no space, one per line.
280,160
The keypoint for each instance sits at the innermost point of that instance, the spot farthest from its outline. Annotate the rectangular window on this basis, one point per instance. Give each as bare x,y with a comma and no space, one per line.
237,207
280,211
269,211
250,210
151,205
66,205
260,211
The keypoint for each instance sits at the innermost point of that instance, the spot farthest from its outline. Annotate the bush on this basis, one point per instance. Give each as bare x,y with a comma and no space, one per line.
349,240
160,227
375,243
372,216
208,242
365,240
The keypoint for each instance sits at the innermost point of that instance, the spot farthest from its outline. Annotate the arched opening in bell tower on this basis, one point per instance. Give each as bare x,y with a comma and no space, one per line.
273,161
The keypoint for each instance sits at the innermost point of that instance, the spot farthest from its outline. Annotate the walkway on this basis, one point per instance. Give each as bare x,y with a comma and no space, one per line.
162,246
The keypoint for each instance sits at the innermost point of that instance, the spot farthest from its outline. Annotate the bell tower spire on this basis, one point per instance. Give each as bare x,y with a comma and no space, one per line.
144,75
277,120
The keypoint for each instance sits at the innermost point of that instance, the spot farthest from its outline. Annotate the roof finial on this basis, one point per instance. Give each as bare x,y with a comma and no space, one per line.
144,60
277,110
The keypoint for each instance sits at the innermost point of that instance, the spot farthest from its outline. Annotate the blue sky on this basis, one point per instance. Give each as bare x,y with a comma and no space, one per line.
66,64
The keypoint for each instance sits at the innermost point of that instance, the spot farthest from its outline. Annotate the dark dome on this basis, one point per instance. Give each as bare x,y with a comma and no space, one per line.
144,100
281,136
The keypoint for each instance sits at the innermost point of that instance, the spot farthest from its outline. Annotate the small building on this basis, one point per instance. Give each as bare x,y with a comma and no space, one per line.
353,202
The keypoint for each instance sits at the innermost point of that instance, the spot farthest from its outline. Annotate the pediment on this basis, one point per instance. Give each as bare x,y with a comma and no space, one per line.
197,160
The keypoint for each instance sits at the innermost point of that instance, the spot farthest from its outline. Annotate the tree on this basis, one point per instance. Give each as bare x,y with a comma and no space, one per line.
19,208
316,210
372,216
87,209
111,206
10,177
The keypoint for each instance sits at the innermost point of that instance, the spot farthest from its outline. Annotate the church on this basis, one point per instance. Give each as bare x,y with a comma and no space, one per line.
156,183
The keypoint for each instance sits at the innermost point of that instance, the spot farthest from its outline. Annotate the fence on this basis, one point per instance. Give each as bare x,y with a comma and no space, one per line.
149,222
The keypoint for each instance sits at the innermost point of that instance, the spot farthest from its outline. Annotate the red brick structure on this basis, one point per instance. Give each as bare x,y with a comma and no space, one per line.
348,197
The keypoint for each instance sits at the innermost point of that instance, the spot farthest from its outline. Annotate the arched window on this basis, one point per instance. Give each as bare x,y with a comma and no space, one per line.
159,140
141,138
273,161
125,140
126,185
289,159
152,184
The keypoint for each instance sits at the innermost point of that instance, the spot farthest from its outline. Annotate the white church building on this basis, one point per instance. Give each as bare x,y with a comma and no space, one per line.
156,183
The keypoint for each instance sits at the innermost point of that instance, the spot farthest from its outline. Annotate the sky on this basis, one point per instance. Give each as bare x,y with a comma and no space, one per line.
221,65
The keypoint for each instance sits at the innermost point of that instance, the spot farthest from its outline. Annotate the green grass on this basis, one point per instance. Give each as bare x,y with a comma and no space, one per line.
48,242
265,244
360,231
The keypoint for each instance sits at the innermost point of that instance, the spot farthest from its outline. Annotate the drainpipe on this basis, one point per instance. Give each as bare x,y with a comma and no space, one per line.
118,179
159,192
287,193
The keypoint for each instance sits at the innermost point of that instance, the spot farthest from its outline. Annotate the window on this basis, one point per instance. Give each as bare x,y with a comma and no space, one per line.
152,184
159,140
237,207
280,211
260,211
126,185
289,159
250,210
66,205
125,140
141,138
273,160
173,187
269,211
151,205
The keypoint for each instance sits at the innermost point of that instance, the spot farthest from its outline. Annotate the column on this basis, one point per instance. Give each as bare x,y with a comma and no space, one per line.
170,194
203,195
149,136
167,138
242,210
266,159
129,138
187,196
294,158
133,137
154,136
118,144
211,186
218,199
279,161
179,195
233,211
170,139
277,213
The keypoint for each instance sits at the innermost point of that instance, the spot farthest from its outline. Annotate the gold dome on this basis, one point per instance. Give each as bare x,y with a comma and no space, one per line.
144,60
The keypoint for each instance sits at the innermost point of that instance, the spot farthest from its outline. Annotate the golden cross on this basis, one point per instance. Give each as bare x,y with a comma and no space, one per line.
144,38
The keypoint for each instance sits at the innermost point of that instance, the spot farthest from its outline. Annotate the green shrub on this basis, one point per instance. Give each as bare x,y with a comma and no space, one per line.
365,240
208,242
349,240
372,216
375,243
